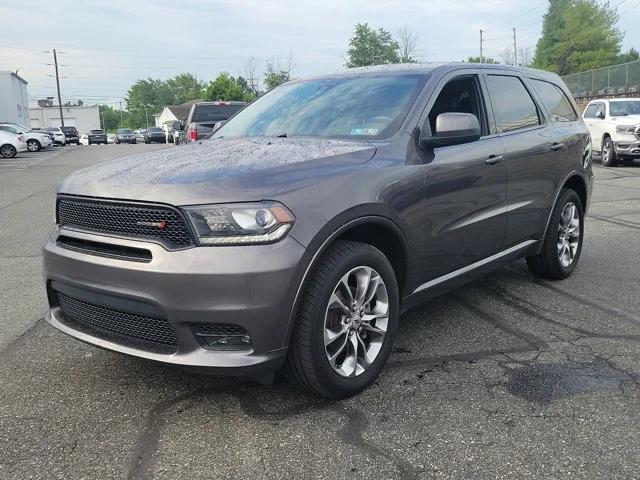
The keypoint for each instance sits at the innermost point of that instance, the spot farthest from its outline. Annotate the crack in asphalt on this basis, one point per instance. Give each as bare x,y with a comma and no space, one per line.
351,433
624,223
9,205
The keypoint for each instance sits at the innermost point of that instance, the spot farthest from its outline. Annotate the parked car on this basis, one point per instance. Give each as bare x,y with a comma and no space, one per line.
71,134
84,139
59,138
614,125
203,117
125,135
11,144
36,141
111,138
297,235
139,134
155,135
97,136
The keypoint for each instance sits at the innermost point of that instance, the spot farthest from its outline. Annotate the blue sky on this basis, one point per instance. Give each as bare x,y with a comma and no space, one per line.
105,46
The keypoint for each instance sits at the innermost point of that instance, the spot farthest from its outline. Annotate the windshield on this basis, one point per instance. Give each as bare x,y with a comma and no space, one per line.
154,130
125,130
350,107
622,108
97,131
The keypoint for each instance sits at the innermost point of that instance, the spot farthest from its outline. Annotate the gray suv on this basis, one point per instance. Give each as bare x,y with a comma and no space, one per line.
295,237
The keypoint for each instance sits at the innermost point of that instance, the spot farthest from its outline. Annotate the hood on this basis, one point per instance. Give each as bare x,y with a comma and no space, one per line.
218,170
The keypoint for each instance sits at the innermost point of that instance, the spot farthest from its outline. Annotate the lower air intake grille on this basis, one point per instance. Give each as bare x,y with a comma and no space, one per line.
148,333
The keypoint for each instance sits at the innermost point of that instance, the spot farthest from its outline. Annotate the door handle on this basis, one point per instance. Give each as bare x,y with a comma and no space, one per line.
494,159
557,146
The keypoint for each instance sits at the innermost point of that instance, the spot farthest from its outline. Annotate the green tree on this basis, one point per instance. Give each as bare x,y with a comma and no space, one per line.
578,35
275,76
372,47
110,118
630,56
225,87
146,98
488,60
185,87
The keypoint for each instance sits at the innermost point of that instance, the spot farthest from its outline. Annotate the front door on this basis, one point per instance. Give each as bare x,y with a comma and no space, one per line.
465,185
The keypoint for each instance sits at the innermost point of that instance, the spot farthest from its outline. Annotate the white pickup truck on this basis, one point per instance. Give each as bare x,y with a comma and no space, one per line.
614,125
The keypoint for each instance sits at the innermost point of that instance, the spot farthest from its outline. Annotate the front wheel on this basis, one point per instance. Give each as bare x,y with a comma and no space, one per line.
608,153
346,323
563,242
33,146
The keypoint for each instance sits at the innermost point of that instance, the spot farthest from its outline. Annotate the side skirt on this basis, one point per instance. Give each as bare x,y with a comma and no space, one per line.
445,283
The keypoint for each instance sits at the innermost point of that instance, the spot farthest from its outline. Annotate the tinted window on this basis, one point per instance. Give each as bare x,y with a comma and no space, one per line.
155,130
97,131
513,107
214,113
71,130
347,107
622,108
590,112
124,130
460,95
7,128
555,101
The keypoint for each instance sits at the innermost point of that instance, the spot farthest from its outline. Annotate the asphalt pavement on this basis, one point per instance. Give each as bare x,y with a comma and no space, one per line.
507,377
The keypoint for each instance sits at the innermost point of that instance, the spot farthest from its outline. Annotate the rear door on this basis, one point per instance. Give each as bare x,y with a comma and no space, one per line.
534,153
465,184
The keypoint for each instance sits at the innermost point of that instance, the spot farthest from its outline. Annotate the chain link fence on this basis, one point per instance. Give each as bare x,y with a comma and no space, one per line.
614,80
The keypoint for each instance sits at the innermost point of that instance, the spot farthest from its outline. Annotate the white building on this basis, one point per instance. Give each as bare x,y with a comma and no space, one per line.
83,117
14,101
173,113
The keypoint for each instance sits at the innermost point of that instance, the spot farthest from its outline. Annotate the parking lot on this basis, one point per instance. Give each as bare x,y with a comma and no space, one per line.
506,377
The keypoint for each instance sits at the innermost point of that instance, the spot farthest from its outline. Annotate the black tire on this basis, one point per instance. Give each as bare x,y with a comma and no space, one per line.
8,151
88,142
306,364
33,145
547,263
608,156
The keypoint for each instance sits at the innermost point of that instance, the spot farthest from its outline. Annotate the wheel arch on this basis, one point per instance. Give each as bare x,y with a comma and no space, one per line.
377,230
575,182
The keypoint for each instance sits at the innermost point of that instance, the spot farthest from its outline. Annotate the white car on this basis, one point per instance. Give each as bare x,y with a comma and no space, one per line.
36,141
59,138
11,144
84,139
614,125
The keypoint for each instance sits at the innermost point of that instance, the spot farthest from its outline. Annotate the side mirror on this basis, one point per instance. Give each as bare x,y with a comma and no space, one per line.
217,125
601,115
452,129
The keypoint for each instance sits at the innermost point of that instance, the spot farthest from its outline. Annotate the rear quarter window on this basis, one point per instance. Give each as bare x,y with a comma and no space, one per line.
555,101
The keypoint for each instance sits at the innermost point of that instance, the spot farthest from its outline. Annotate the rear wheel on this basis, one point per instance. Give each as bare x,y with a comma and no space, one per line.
563,242
346,323
8,151
33,145
608,153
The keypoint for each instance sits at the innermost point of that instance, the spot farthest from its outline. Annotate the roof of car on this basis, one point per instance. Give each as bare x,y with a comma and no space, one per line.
599,100
428,67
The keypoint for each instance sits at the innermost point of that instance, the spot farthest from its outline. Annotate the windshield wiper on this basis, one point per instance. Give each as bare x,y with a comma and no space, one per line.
282,135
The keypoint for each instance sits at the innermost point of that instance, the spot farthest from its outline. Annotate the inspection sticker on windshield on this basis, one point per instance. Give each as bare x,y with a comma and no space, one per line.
364,131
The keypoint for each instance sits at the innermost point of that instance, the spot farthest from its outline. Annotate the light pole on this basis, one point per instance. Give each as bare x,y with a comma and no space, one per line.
146,114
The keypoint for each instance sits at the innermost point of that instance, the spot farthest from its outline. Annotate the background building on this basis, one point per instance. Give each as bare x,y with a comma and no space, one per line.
84,118
14,101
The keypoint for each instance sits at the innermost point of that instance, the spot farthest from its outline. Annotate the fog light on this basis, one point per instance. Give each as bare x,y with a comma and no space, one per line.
221,336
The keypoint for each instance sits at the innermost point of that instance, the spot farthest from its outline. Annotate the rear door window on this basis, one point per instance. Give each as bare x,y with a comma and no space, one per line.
555,101
513,107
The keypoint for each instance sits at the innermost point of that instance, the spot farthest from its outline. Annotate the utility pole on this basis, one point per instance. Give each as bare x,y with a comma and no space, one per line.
55,62
481,41
120,112
515,48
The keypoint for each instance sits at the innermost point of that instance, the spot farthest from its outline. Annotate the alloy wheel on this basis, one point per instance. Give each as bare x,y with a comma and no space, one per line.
8,151
568,234
356,321
32,145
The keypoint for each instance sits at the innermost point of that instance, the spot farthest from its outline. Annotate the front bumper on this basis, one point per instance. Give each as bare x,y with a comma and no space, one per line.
250,286
630,148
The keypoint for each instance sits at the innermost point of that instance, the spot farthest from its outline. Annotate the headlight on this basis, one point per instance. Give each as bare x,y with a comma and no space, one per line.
626,129
240,224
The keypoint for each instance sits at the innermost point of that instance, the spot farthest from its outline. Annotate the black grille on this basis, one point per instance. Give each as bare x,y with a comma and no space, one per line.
218,329
135,330
126,219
